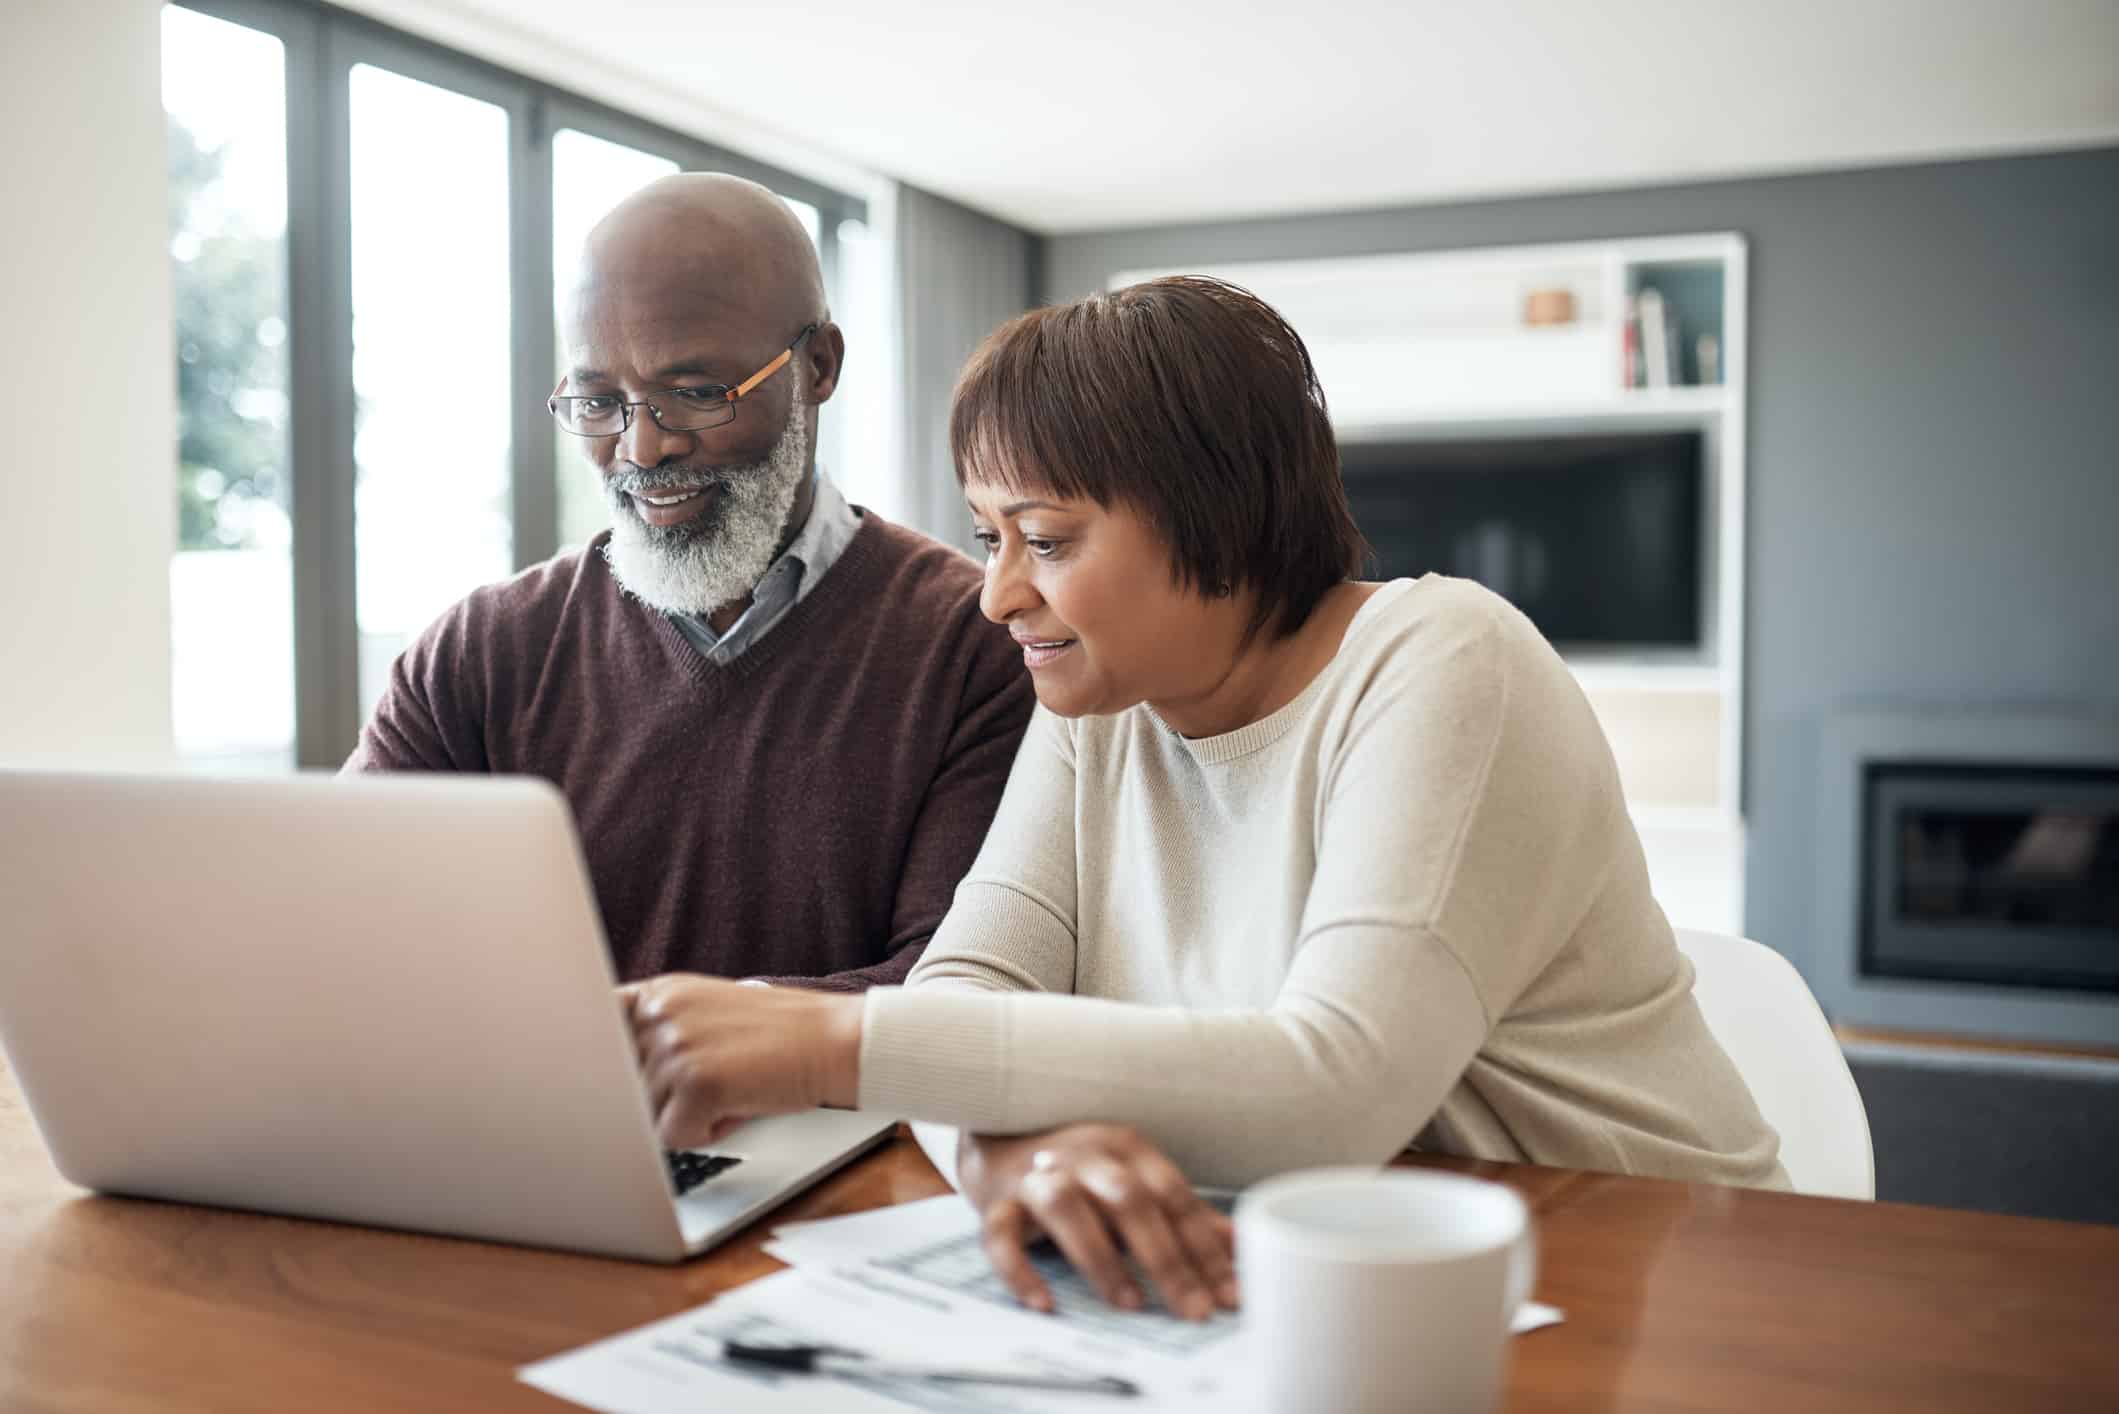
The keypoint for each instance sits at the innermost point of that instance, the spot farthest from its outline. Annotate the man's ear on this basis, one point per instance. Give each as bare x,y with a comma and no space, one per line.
825,352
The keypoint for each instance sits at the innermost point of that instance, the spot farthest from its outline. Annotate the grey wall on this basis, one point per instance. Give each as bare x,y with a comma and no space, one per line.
960,273
1934,401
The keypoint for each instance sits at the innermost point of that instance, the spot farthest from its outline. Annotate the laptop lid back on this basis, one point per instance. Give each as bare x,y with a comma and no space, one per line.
383,1000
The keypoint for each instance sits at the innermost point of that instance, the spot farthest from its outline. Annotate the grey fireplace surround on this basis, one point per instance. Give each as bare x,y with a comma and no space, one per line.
1852,740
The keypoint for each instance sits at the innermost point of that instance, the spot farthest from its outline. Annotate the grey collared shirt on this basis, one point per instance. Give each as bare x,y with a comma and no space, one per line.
815,548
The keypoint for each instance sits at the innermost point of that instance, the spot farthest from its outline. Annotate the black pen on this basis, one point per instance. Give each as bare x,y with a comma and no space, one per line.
828,1360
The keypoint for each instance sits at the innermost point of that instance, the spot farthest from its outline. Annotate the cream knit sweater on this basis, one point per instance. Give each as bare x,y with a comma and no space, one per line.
1408,905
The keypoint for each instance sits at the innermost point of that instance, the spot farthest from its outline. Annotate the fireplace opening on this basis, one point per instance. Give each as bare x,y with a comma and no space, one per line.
2002,875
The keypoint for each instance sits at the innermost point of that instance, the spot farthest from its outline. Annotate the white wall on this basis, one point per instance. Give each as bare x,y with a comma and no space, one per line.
87,479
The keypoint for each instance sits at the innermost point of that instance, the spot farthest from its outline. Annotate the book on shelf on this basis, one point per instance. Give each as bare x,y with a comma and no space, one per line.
1630,371
1658,339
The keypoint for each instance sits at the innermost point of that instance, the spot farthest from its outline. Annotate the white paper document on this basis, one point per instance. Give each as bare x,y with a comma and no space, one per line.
909,1284
883,1231
675,1366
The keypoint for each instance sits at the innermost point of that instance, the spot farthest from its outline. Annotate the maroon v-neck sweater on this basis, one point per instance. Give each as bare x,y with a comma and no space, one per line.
800,814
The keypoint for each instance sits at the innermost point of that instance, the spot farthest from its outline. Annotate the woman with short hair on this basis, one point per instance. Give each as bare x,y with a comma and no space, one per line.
1292,869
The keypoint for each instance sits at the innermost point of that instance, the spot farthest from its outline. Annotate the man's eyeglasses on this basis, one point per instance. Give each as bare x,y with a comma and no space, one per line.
674,409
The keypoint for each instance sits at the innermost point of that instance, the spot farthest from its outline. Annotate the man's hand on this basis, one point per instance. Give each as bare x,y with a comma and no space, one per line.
715,1053
1100,1192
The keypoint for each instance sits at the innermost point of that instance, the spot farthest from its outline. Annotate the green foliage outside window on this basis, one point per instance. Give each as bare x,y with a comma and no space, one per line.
231,363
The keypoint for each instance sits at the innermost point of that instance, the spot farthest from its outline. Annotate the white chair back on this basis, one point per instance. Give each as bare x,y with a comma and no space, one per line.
1758,1008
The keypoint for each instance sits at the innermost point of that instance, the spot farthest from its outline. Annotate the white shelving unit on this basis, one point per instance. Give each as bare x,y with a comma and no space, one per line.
1629,407
1435,345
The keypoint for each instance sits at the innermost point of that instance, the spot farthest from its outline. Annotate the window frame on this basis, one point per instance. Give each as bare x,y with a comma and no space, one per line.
321,44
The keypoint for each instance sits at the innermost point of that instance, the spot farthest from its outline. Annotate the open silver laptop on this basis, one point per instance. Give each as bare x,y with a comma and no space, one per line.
383,1000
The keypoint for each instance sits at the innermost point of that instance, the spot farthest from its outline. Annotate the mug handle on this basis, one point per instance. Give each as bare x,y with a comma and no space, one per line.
1522,1270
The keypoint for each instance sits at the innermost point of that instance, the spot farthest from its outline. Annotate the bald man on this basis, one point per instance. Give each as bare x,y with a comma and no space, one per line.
781,722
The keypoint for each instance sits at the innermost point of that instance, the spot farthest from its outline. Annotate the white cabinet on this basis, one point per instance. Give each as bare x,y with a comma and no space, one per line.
1533,341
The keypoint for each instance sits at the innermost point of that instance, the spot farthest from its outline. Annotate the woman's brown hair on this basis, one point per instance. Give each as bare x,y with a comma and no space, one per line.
1193,403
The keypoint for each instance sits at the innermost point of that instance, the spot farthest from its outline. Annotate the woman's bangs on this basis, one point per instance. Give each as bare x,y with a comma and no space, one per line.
1014,430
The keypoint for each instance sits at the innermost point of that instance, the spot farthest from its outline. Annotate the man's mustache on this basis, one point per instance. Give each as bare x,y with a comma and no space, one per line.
665,480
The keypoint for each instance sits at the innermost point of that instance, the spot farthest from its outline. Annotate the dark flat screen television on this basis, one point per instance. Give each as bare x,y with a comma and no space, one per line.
1598,539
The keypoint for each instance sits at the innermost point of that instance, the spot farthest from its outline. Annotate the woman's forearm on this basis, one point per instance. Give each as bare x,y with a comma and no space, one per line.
1346,1066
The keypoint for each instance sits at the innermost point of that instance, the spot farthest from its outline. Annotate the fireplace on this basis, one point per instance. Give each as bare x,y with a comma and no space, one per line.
1968,874
2000,874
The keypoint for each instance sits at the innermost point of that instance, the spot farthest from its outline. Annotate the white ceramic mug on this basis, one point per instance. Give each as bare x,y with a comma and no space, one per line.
1368,1290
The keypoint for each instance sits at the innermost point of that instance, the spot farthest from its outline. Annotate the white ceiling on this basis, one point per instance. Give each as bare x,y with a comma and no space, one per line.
1095,113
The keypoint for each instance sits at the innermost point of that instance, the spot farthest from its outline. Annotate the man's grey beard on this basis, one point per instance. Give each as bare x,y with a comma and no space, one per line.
719,556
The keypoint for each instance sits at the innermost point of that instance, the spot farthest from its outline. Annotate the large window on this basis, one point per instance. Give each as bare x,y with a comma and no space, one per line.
370,237
431,501
231,586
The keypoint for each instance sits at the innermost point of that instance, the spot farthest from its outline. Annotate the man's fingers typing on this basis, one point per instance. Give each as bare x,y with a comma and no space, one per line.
685,1099
683,1122
643,1001
726,1126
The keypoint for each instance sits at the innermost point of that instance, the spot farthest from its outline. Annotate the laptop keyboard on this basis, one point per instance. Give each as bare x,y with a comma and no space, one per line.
689,1168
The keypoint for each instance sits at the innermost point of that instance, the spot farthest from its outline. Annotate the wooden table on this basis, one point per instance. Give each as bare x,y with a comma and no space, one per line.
1678,1296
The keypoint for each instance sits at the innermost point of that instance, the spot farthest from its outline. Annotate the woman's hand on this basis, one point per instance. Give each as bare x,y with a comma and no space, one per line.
1101,1193
715,1053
